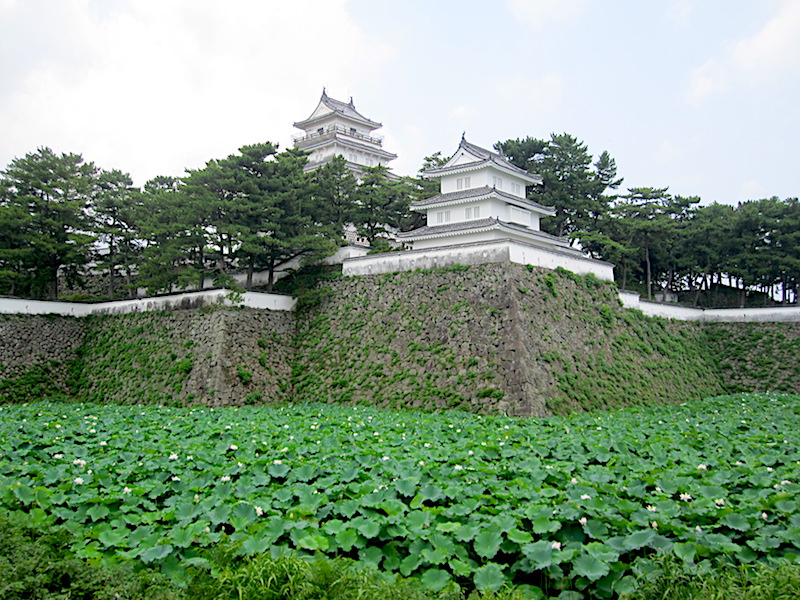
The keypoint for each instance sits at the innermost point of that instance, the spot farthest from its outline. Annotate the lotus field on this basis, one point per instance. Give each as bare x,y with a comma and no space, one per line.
575,503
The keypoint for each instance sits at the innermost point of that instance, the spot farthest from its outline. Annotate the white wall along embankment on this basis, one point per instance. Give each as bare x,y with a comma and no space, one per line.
767,314
153,304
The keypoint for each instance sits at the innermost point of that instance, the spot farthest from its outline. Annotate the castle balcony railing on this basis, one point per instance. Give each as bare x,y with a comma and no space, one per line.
332,130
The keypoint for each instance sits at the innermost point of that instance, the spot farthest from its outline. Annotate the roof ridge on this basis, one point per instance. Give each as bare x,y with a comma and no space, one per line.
490,155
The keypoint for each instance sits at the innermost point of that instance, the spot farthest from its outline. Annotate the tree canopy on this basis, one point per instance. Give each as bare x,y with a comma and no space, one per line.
656,240
63,218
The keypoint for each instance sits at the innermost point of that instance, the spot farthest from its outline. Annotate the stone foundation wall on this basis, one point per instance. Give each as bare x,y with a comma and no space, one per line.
427,340
36,354
199,356
757,357
493,338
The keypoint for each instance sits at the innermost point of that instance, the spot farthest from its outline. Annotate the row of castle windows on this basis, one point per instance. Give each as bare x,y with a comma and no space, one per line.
462,183
471,212
516,215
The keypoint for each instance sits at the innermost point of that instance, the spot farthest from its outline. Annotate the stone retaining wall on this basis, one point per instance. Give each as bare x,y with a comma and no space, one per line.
493,338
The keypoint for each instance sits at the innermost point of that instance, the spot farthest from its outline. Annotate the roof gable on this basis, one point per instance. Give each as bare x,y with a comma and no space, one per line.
464,155
328,107
470,157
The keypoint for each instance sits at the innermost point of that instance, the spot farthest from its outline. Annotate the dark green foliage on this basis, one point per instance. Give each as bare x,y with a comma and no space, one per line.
291,577
307,284
657,240
625,359
479,501
254,397
43,202
490,393
756,356
184,366
245,375
671,578
335,193
570,182
39,566
39,381
115,212
549,281
382,203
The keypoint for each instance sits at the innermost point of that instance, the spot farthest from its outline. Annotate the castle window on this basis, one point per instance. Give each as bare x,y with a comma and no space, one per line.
497,183
472,212
516,215
462,183
443,217
352,131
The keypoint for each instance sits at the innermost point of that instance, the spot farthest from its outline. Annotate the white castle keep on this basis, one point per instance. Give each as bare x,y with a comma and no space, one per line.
482,213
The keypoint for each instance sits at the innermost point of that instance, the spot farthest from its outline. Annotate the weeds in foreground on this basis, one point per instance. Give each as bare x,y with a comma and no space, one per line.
671,579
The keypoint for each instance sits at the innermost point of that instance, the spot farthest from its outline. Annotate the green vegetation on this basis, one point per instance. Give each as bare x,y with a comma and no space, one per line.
150,362
39,565
660,241
602,356
245,375
38,381
563,504
756,356
254,210
668,578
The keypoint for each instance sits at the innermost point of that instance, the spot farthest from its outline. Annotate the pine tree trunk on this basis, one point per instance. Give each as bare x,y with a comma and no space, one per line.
54,282
271,271
250,268
111,269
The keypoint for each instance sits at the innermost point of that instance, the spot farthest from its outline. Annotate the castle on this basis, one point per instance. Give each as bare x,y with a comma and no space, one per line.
481,215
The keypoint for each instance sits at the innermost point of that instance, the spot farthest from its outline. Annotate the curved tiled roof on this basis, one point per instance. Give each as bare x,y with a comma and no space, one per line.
345,140
480,193
428,231
345,109
484,157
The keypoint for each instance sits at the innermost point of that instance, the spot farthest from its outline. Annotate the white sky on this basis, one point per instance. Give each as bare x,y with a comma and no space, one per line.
702,96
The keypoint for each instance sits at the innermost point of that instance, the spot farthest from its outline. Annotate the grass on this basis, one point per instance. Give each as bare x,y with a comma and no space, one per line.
39,566
671,579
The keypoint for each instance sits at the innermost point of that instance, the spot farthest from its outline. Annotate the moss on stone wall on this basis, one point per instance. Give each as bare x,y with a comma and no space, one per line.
604,356
756,356
494,338
427,340
490,339
37,353
208,356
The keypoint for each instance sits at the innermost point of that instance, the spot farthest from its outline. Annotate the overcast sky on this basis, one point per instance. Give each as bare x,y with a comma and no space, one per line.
702,96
